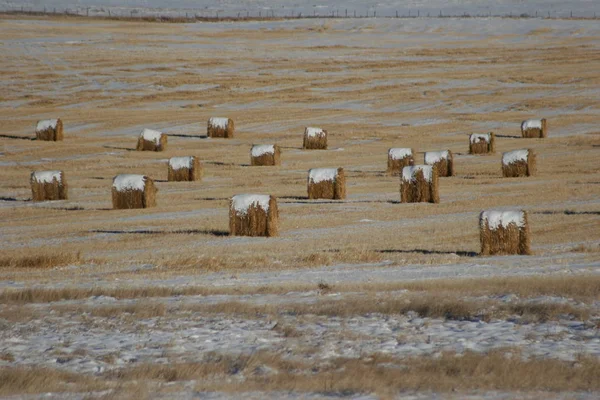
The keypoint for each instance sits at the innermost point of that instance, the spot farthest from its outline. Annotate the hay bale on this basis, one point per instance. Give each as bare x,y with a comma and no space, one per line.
326,183
48,185
133,191
419,183
49,129
265,154
518,163
253,215
220,128
504,232
534,128
398,158
482,143
150,140
443,161
315,139
184,169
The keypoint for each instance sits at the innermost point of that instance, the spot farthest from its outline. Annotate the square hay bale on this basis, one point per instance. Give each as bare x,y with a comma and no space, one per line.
253,215
419,183
398,158
265,154
150,140
184,169
315,139
518,163
49,130
504,232
48,185
220,128
133,191
326,183
443,161
482,143
534,128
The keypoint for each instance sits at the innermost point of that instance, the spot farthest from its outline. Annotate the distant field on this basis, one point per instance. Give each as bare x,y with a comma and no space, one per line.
103,298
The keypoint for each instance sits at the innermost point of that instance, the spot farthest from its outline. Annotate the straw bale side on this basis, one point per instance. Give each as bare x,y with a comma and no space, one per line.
267,159
505,240
395,166
134,198
483,147
316,142
328,189
419,190
536,132
256,221
213,131
150,145
51,134
520,168
55,190
186,174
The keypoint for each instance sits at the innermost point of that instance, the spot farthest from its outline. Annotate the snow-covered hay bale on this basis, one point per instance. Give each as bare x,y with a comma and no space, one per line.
482,143
443,161
184,169
133,191
49,129
48,185
315,139
419,183
150,140
253,215
504,232
220,128
398,158
326,183
265,154
534,128
518,163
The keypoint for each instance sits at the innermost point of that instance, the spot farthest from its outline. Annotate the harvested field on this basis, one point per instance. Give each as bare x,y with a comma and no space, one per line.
94,301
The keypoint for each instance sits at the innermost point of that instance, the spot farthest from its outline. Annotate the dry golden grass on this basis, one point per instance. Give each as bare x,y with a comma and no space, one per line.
45,258
499,370
585,288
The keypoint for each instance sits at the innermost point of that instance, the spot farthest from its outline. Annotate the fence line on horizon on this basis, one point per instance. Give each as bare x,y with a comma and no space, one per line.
269,14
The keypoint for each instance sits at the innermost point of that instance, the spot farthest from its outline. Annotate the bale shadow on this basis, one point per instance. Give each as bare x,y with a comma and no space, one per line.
306,200
2,198
187,136
224,164
18,137
567,212
213,232
460,253
213,198
118,148
508,137
290,147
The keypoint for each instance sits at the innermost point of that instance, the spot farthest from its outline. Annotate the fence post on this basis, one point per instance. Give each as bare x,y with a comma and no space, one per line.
354,13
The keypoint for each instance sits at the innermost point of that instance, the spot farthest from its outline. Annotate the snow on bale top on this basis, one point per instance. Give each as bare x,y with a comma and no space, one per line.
129,182
151,135
261,149
181,162
431,157
219,122
410,173
310,132
47,176
399,153
531,124
478,137
45,124
242,202
317,175
494,219
514,156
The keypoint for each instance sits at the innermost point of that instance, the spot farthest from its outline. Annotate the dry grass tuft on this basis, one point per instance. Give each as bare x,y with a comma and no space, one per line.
45,259
22,380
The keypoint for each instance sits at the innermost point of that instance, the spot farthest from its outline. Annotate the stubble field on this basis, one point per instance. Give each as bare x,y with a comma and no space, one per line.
362,297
